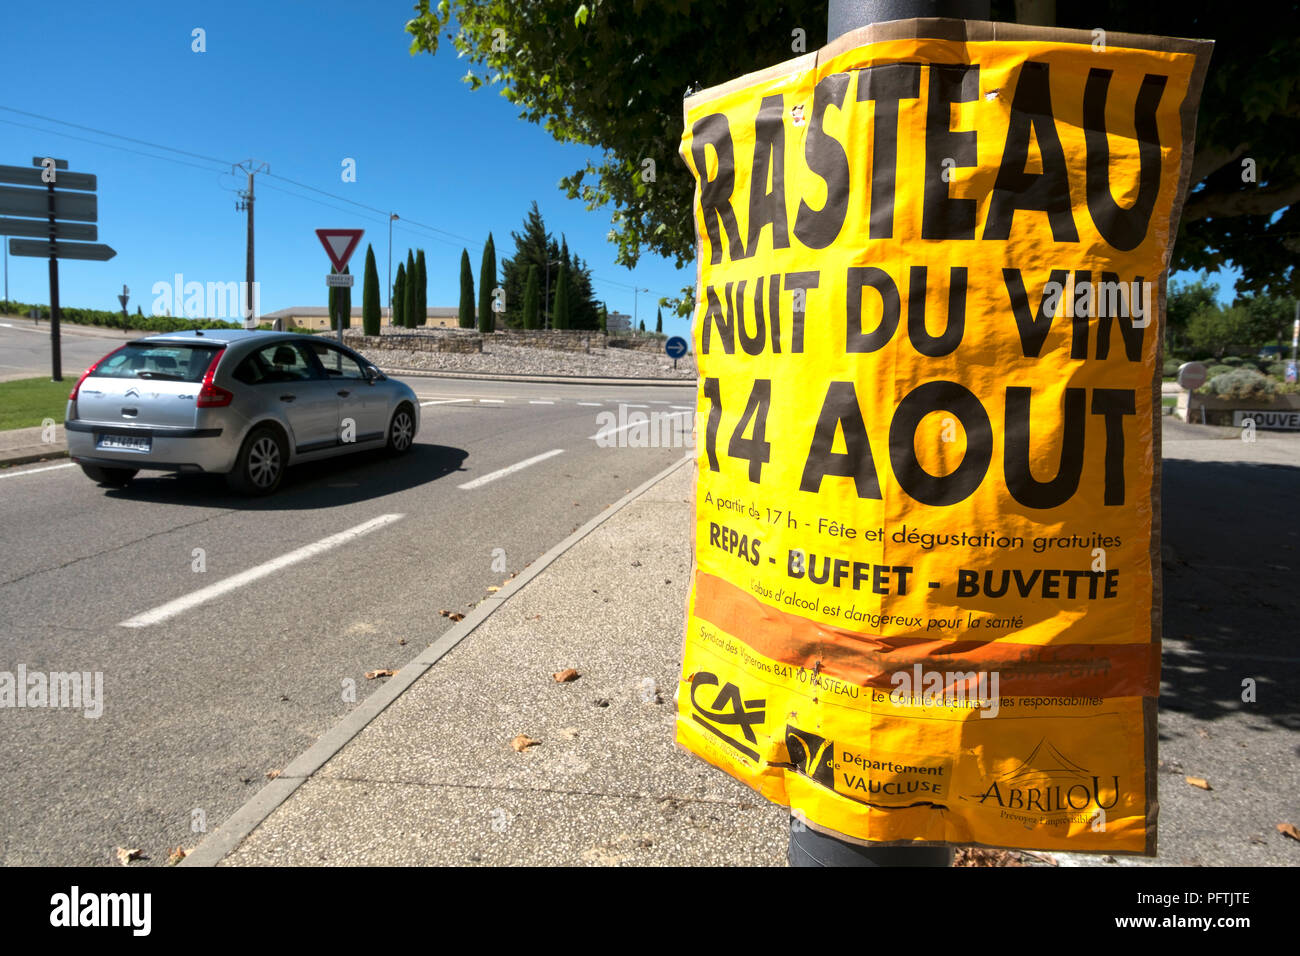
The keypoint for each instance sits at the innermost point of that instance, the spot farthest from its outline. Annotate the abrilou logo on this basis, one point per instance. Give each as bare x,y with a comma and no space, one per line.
728,710
1050,782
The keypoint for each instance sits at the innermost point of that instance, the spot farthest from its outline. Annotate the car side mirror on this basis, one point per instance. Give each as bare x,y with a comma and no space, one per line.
373,374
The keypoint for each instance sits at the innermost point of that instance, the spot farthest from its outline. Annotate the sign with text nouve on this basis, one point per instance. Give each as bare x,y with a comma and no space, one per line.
925,604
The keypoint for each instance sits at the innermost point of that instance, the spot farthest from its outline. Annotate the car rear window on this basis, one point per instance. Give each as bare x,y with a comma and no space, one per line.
158,360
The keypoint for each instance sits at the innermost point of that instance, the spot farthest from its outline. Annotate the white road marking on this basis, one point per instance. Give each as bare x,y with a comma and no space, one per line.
32,471
595,404
203,595
536,402
493,401
658,402
689,408
647,423
493,476
636,406
444,401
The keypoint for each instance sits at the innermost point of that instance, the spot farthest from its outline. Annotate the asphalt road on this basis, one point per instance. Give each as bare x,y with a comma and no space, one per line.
25,347
201,706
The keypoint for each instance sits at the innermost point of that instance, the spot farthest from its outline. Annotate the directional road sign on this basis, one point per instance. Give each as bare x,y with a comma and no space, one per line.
675,347
40,228
339,245
26,176
35,202
94,251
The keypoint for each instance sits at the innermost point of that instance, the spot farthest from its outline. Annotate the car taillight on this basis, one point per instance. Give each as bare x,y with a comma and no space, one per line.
72,395
213,396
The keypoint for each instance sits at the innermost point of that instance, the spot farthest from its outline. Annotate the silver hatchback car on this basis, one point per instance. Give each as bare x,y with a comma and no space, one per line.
245,404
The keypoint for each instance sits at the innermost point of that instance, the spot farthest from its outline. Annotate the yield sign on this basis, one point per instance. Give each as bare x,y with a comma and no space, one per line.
339,245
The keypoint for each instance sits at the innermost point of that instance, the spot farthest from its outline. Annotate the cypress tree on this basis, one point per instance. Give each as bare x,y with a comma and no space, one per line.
532,300
408,305
421,290
487,280
562,298
643,325
604,318
370,295
659,322
466,317
399,297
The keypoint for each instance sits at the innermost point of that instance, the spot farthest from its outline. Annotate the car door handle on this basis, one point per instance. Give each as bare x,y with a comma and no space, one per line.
344,393
287,398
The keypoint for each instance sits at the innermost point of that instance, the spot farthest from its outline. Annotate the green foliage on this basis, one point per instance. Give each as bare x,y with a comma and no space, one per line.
532,300
1217,330
408,303
659,322
1170,368
604,318
466,315
1213,370
487,281
113,320
612,76
398,318
421,290
560,319
27,402
1241,384
1277,370
370,309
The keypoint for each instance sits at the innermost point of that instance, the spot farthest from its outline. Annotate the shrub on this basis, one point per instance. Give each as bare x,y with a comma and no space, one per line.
1241,383
1171,367
1236,361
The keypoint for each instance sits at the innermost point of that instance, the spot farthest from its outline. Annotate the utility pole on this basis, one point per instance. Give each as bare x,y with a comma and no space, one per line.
245,204
635,327
807,846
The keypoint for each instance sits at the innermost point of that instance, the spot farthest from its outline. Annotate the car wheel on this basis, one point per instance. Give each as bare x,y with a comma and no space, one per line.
110,477
401,430
261,463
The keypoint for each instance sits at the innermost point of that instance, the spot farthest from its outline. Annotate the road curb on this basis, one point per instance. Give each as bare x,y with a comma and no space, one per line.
227,837
543,379
27,459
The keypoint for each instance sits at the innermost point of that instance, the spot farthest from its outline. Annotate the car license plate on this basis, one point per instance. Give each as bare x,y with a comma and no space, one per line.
124,443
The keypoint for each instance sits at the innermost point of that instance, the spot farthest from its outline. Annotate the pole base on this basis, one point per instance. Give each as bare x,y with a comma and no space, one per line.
810,848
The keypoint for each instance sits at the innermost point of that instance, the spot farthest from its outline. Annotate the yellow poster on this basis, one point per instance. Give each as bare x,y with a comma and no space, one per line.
931,270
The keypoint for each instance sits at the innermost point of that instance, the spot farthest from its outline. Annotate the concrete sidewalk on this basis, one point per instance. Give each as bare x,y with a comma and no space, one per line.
18,446
433,779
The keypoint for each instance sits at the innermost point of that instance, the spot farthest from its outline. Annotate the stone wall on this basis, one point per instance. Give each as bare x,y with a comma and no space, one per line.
460,341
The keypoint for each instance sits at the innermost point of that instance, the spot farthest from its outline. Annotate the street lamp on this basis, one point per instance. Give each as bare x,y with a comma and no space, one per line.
391,217
636,329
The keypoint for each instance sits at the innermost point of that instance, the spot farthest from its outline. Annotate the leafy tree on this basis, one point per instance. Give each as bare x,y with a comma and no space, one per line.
487,281
1217,330
421,290
643,326
398,318
466,317
370,312
659,322
532,302
581,71
1182,301
561,318
1272,314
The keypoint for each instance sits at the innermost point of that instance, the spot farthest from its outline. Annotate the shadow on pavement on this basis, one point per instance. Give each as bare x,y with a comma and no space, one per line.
1231,589
331,483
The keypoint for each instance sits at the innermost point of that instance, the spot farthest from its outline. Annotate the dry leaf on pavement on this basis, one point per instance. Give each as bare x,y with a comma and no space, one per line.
1288,829
125,856
523,742
1199,782
176,855
456,616
272,774
566,675
381,672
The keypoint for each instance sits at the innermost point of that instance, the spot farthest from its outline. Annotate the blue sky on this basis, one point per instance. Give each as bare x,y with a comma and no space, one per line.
300,86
